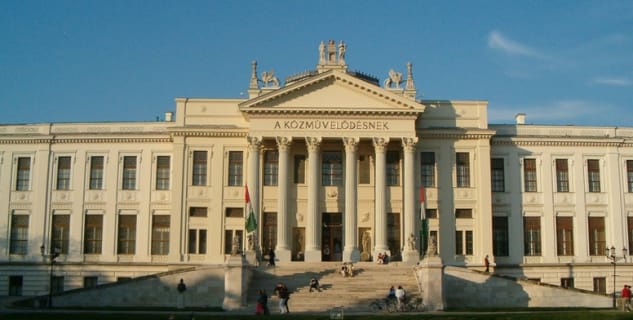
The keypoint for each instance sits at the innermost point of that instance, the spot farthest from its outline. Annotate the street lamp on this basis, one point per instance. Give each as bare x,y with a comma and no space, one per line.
611,255
51,259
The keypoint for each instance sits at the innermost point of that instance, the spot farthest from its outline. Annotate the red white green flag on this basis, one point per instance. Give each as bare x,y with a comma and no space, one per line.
251,222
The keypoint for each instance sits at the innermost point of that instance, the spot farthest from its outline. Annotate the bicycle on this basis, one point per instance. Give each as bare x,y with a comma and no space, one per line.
414,305
383,305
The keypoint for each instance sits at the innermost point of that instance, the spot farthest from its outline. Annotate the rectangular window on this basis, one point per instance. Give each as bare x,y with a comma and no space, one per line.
463,213
236,165
91,282
629,176
197,241
500,236
431,213
127,234
93,234
393,168
529,175
300,169
163,168
269,232
597,241
61,233
567,283
129,173
271,167
497,172
160,235
198,211
463,169
562,175
63,173
332,168
234,212
364,169
15,286
532,236
19,234
459,242
593,174
564,236
96,173
427,168
629,221
199,172
23,179
600,285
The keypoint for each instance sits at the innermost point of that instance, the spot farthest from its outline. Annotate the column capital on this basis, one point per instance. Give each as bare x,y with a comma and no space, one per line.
409,143
351,143
253,142
283,143
380,143
313,143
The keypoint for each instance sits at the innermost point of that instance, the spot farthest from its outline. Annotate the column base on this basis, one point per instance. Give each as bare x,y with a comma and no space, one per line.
313,255
351,255
283,255
411,257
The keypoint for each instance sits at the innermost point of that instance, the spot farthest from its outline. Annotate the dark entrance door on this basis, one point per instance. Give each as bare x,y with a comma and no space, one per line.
332,239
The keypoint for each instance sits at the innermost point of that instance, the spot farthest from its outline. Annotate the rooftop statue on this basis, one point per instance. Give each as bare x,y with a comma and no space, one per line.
394,80
268,77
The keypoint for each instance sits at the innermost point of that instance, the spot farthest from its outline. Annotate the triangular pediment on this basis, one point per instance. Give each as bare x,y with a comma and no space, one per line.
331,91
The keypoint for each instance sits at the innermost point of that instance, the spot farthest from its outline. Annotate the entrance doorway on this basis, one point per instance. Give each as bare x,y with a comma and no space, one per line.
332,239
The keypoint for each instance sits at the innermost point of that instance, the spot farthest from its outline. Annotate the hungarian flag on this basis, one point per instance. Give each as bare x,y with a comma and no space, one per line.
251,223
422,206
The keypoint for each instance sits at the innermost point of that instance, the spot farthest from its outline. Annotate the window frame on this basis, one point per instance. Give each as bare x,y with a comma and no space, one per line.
497,174
562,175
530,175
126,234
235,168
96,173
163,173
199,167
532,236
271,167
129,172
23,173
93,234
593,176
64,172
160,234
427,169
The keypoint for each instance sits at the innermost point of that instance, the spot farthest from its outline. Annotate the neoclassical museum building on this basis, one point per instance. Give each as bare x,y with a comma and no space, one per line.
339,166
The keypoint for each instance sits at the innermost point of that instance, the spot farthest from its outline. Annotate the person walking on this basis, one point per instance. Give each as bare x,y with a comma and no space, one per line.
262,303
271,257
401,296
181,287
282,292
626,298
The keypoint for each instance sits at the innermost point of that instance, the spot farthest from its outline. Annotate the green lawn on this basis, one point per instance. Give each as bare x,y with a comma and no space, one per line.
531,315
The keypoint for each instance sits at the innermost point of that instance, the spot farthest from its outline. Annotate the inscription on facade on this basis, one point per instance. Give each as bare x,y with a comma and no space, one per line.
333,125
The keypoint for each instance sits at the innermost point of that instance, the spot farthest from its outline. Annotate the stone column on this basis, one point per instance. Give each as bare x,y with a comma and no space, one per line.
350,250
283,251
380,211
252,181
313,223
411,255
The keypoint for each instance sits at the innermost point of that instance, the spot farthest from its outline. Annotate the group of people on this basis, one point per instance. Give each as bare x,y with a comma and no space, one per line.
382,258
400,295
282,292
347,270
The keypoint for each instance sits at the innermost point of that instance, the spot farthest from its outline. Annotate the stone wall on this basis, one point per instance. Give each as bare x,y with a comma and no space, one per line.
466,288
205,289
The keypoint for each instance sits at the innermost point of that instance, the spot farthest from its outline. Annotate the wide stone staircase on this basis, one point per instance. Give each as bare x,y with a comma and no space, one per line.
371,282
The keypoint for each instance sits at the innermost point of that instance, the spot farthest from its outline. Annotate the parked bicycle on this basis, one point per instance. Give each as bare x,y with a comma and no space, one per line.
412,305
383,305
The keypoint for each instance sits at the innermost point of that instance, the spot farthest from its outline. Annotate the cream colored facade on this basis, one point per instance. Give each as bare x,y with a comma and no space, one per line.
334,163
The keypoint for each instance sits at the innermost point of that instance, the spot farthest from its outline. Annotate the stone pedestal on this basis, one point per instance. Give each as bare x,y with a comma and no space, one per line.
251,258
431,275
411,257
235,283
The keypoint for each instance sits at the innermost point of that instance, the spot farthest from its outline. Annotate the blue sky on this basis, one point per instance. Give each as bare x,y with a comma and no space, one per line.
558,61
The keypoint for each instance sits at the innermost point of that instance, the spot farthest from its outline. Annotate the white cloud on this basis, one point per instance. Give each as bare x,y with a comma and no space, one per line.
498,41
619,82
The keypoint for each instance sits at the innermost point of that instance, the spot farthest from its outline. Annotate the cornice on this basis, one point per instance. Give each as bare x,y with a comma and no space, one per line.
455,135
331,112
54,140
560,143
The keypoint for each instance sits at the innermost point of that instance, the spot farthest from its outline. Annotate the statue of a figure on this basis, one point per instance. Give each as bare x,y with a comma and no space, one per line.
411,242
394,80
235,248
251,244
341,53
331,51
322,53
431,250
268,77
366,242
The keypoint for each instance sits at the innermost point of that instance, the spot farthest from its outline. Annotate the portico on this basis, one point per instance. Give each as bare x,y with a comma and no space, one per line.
335,127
